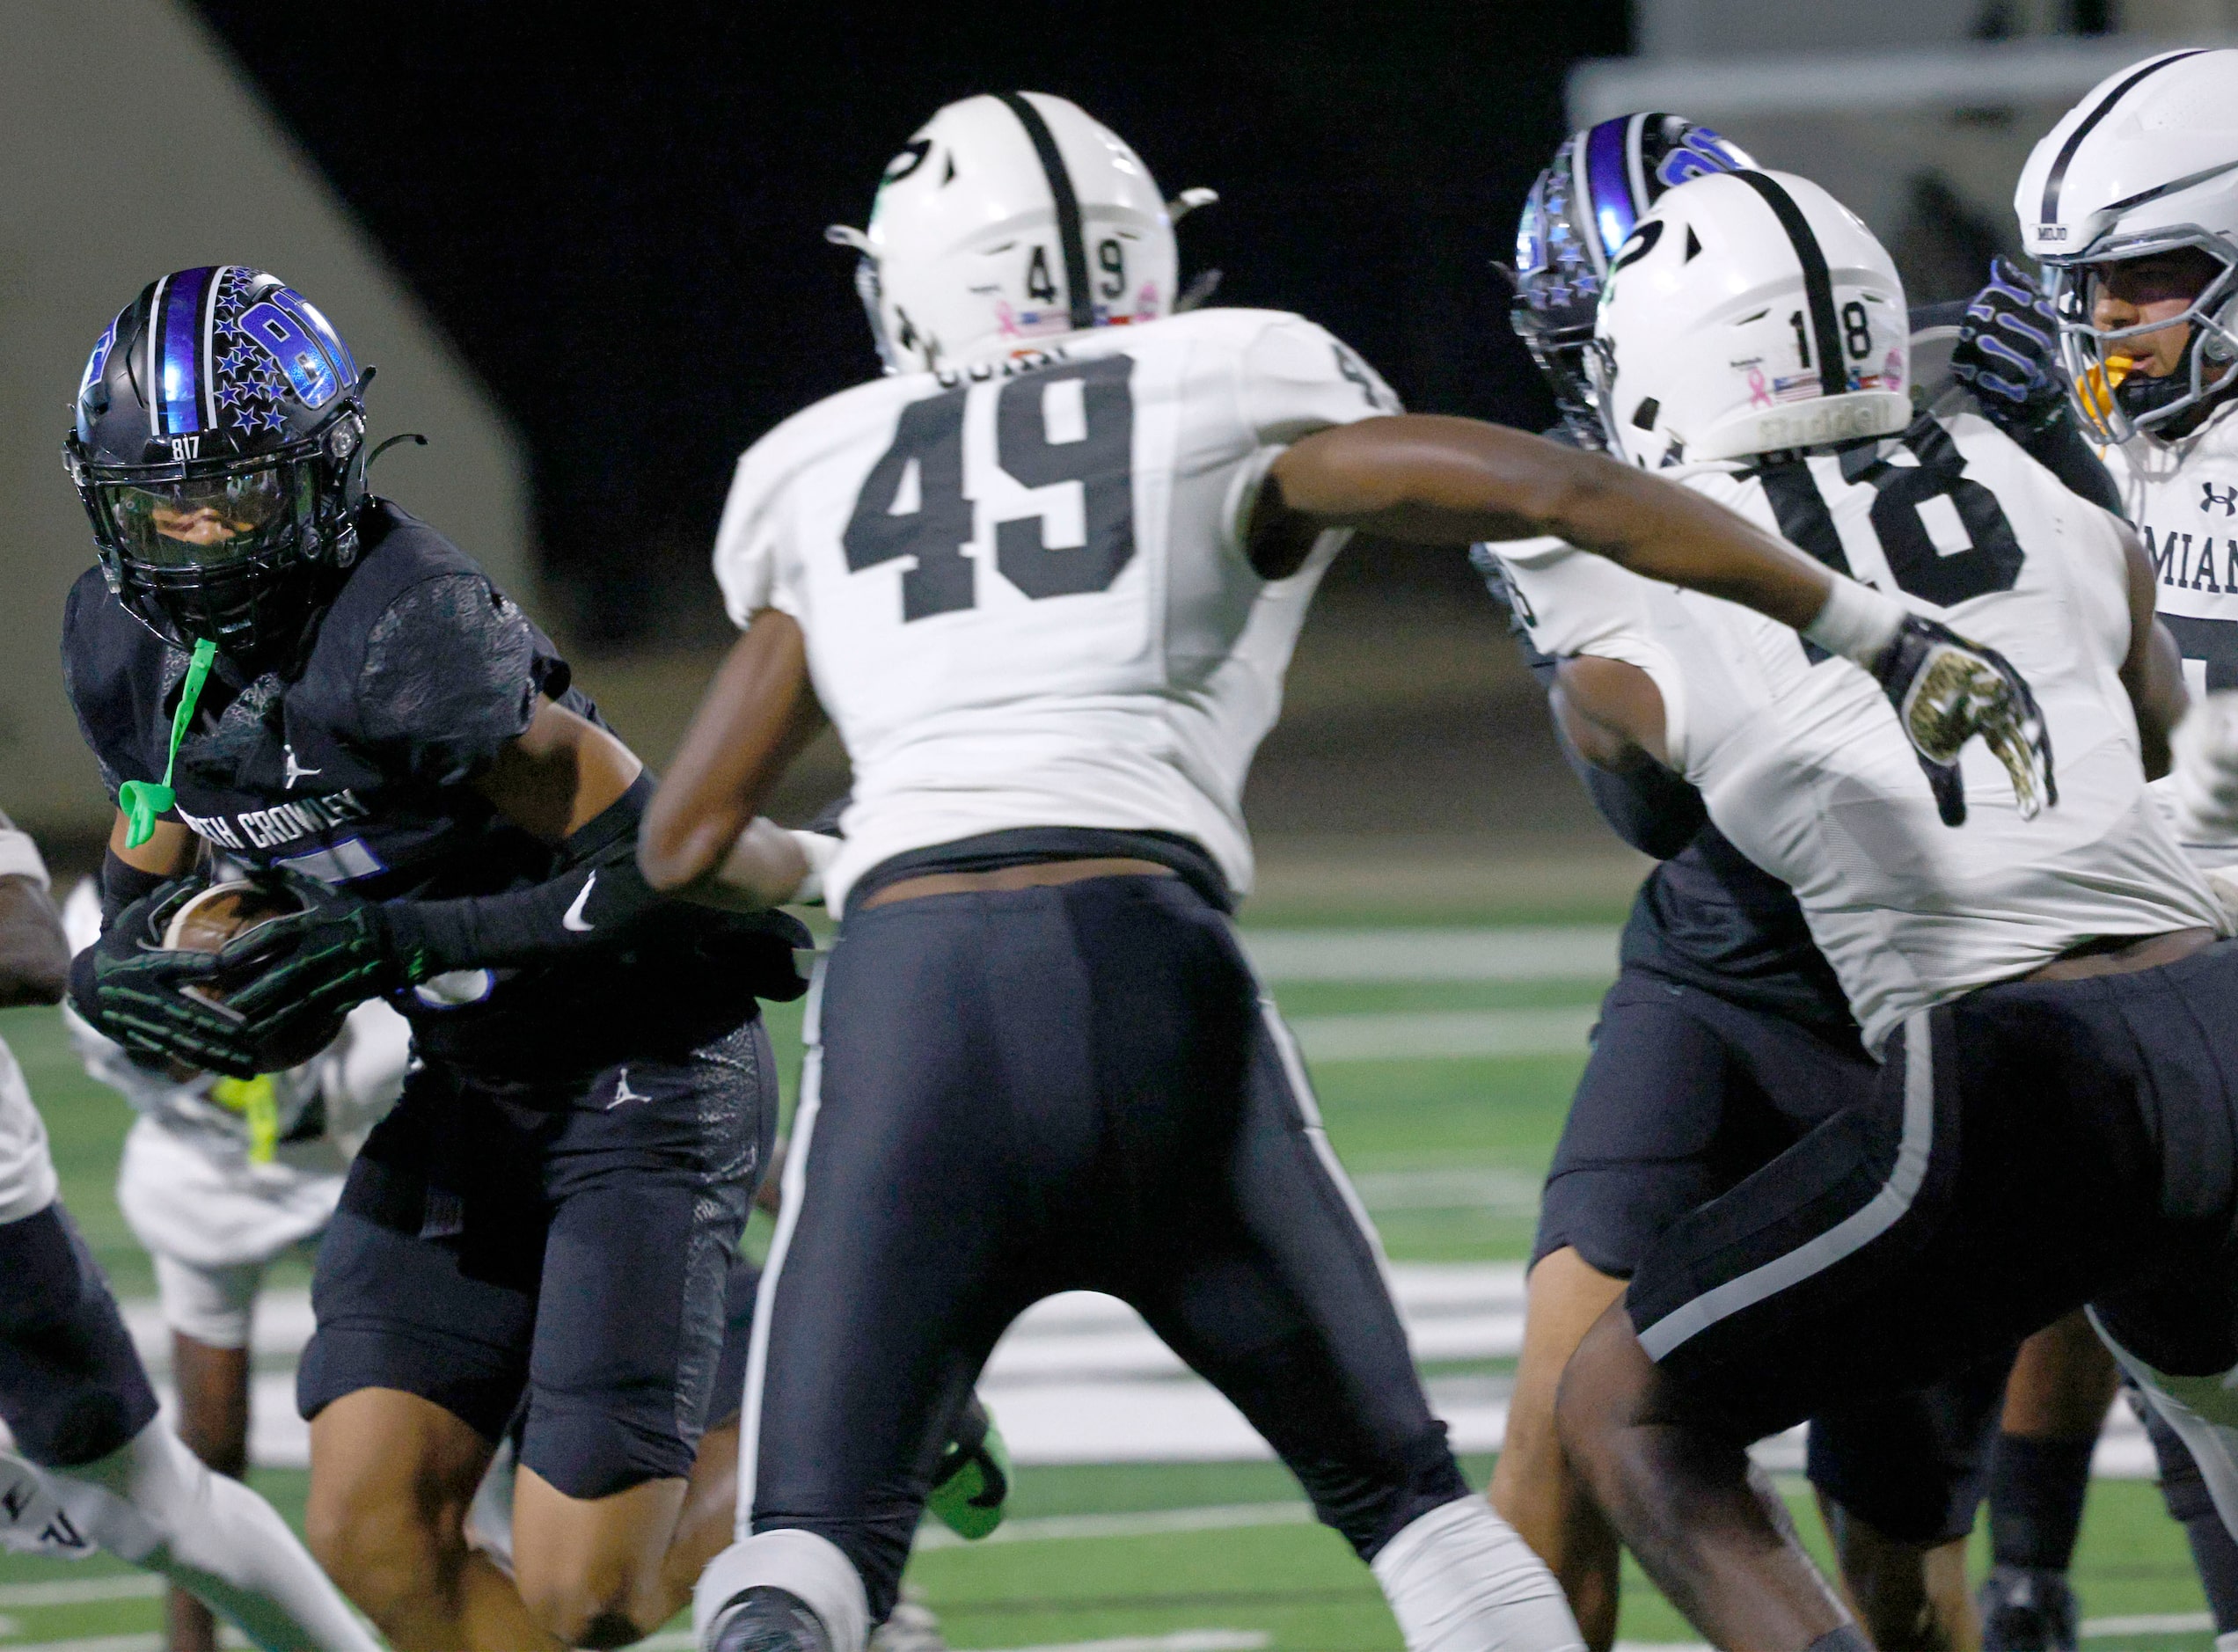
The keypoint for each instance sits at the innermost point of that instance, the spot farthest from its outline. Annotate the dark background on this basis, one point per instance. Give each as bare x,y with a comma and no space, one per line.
618,216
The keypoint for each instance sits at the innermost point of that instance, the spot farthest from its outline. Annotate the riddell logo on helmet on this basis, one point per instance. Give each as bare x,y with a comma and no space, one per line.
1810,426
2050,231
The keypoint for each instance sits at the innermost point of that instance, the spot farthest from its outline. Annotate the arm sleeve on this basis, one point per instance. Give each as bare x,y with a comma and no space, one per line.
2060,450
449,675
597,902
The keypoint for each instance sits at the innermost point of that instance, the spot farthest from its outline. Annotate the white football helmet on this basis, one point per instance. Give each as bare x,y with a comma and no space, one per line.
1011,218
1750,312
2147,163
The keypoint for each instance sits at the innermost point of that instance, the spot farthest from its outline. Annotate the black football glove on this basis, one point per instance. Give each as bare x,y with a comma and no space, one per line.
314,965
1946,690
133,989
2008,354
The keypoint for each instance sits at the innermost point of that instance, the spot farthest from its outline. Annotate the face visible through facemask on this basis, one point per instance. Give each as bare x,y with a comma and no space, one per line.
2137,292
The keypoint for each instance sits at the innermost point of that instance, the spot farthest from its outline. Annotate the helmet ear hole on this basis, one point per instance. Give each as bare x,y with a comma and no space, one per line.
1643,416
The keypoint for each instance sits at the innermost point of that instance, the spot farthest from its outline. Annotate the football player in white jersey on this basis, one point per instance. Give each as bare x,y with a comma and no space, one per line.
2131,204
88,1463
1726,1037
1045,580
2052,1123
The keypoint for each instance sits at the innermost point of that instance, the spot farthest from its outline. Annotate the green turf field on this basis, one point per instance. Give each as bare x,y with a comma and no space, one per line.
1196,1558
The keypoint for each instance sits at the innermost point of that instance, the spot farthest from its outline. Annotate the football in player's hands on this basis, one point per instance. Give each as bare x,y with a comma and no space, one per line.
1947,689
299,975
135,987
2008,353
238,912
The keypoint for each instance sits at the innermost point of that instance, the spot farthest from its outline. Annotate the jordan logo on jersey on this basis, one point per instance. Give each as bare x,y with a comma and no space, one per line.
2227,498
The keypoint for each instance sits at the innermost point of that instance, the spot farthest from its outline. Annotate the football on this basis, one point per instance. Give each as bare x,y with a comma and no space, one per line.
225,911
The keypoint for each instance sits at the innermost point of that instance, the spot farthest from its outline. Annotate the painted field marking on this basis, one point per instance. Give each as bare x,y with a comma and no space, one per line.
1444,1034
80,1592
1569,951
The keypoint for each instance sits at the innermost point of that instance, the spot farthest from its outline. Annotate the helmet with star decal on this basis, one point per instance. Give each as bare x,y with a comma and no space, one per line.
219,452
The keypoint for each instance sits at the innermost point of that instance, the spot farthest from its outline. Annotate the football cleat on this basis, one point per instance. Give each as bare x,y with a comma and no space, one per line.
972,1482
768,1619
2027,1609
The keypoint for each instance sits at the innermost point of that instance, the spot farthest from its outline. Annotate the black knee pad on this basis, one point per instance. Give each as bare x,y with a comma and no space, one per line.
72,1388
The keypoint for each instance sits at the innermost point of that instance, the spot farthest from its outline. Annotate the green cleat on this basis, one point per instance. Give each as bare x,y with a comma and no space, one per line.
972,1482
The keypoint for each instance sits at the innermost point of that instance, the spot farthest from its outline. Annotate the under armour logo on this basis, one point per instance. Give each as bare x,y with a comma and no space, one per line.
295,770
2228,499
623,1093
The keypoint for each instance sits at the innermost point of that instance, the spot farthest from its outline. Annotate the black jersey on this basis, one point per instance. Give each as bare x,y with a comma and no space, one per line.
356,767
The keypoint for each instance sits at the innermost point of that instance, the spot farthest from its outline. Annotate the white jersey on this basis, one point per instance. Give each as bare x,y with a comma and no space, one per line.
2183,497
1798,754
1023,587
27,1179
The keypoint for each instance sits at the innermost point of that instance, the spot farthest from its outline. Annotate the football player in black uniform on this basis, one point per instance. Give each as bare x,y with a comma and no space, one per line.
272,662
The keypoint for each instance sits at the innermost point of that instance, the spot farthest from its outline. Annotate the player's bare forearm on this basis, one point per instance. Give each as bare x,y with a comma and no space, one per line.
754,718
34,957
559,774
1434,481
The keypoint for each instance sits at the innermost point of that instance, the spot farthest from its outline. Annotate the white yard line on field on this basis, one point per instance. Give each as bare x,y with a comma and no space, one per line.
1444,1034
1526,953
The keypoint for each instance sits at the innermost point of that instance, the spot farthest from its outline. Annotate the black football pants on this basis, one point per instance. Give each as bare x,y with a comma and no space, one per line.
1074,1087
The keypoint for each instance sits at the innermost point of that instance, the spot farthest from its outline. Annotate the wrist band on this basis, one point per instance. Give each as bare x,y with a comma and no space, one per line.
1857,623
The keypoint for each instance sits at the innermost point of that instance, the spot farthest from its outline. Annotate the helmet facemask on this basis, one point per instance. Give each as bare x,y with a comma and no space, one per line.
2114,401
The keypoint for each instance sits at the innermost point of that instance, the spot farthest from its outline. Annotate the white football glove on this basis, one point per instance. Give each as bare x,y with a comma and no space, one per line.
2203,785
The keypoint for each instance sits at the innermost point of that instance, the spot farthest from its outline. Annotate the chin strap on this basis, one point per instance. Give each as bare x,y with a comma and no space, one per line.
142,800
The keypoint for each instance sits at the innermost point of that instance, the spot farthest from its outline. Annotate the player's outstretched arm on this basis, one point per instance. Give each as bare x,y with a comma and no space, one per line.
1428,479
702,838
1436,480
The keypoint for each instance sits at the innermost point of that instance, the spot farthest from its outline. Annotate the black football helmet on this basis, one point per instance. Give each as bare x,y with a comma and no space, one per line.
1601,182
219,453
